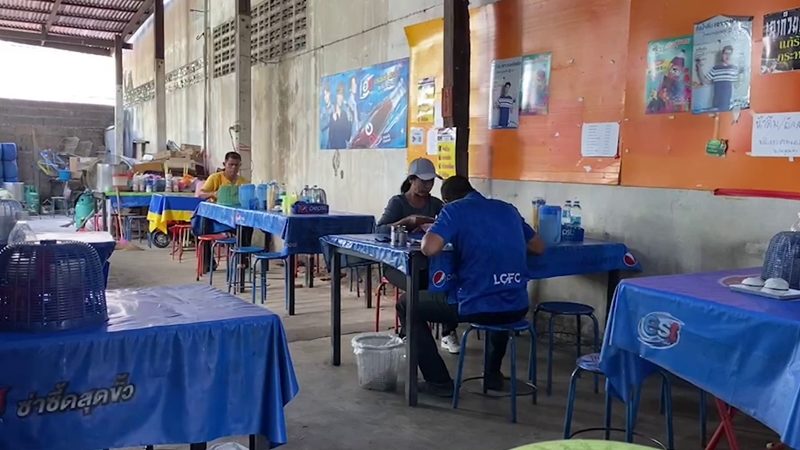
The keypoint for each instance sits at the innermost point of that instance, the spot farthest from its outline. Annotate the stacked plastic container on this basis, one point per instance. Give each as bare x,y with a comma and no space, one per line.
9,170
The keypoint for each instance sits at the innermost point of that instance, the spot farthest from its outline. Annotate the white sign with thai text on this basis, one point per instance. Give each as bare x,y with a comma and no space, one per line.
776,135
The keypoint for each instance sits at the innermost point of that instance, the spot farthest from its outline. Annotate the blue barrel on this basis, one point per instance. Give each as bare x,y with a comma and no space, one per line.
247,196
10,171
550,224
9,151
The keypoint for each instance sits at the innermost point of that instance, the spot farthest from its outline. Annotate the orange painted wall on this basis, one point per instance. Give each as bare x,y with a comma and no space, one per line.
599,50
664,151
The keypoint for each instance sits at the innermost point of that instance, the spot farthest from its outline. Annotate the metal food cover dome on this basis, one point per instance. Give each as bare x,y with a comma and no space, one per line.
51,286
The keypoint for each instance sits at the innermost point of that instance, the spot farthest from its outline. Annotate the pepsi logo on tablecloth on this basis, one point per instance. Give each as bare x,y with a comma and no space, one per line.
660,330
630,260
3,399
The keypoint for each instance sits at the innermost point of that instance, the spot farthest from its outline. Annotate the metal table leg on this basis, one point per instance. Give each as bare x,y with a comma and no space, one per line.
611,288
199,446
310,271
412,296
258,442
336,306
290,280
368,285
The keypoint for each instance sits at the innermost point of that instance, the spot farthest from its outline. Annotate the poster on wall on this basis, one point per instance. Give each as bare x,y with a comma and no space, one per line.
781,42
426,97
722,62
504,98
776,135
669,76
365,108
446,142
535,84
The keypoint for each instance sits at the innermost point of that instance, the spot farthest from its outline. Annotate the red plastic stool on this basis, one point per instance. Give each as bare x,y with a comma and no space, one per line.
202,242
382,288
181,234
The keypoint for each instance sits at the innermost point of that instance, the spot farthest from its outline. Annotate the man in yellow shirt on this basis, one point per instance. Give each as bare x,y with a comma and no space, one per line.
228,176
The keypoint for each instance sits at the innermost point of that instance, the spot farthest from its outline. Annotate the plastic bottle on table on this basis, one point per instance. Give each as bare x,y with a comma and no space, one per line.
22,231
576,213
566,213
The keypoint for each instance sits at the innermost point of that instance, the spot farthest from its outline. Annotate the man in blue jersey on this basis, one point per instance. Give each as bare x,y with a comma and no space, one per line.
722,76
504,105
490,244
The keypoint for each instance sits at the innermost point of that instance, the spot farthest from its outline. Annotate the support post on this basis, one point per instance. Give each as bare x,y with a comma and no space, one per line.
160,79
243,87
455,93
119,111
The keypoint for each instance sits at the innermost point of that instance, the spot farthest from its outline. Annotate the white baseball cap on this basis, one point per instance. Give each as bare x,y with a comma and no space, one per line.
423,169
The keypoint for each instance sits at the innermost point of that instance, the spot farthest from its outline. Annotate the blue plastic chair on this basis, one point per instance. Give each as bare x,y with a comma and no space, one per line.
591,363
577,310
227,242
235,256
512,329
264,258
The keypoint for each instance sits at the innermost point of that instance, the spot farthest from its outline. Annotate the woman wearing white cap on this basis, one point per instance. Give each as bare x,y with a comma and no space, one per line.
413,208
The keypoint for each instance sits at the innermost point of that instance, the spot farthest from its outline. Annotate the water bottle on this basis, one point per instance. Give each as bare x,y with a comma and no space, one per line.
22,231
575,213
566,213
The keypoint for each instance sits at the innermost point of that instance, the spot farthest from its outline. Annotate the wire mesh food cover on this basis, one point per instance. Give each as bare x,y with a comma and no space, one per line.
783,258
51,287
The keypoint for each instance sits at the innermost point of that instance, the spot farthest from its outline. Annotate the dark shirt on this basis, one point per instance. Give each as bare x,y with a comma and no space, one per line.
339,131
399,208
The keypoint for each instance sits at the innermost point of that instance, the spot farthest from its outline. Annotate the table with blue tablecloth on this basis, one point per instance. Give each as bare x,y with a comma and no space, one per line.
558,260
301,233
167,208
181,364
741,348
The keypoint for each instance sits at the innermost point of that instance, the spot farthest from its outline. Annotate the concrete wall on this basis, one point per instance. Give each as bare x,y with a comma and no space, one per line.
669,230
36,125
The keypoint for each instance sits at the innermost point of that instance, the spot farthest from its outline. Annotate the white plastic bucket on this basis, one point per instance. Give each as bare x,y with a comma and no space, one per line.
378,358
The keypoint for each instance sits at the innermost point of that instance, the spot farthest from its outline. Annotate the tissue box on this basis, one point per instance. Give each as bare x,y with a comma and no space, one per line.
571,234
310,208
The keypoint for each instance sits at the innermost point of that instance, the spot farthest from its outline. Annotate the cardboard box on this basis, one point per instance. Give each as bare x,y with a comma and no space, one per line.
78,163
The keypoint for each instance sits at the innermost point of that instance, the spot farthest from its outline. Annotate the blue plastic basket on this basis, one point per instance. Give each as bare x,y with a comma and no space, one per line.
9,151
51,287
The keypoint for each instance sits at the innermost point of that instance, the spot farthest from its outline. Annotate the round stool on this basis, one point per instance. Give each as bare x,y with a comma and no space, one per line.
202,242
566,309
181,234
511,329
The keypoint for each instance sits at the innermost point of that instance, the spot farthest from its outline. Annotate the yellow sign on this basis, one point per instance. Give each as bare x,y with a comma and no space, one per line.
446,142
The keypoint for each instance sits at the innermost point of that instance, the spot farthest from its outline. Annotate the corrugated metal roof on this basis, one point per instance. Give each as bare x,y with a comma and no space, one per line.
80,25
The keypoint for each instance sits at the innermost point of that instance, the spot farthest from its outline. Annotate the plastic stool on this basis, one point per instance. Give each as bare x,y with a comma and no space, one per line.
264,258
511,329
139,221
591,363
181,234
202,242
227,243
566,309
382,289
235,257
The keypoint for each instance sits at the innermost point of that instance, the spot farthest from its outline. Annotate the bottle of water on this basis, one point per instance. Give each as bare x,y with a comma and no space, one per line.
22,231
566,213
576,213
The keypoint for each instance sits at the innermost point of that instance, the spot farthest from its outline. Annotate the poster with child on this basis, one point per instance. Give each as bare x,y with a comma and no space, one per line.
669,76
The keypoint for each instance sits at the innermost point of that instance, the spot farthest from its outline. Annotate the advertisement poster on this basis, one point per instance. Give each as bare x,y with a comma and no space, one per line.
669,76
722,62
535,84
505,81
365,108
426,95
781,42
446,141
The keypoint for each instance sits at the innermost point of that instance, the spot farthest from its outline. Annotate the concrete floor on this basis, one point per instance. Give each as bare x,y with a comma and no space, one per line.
332,412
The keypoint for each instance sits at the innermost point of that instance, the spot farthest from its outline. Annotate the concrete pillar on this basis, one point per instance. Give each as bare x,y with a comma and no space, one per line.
160,79
119,111
243,86
455,94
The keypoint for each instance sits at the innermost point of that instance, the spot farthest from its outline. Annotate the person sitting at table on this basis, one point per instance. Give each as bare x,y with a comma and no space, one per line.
229,175
412,208
490,243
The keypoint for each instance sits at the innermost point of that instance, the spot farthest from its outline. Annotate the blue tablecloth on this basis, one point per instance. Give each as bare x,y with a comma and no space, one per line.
174,365
301,233
138,200
741,348
560,260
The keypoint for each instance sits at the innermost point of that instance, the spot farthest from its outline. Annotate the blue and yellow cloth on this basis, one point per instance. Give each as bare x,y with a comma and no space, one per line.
170,208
